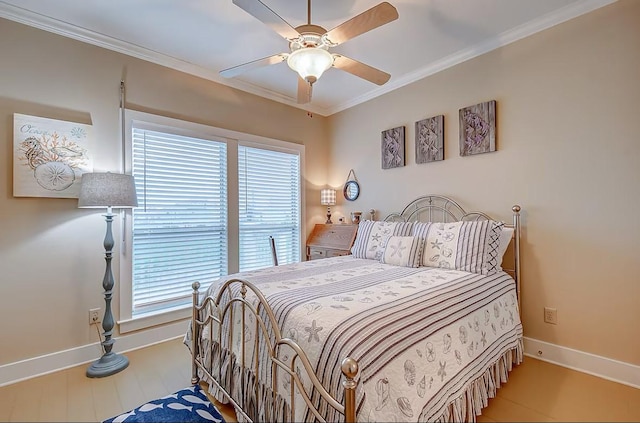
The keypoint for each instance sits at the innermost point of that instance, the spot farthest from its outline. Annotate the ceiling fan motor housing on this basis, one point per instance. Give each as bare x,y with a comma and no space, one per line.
309,39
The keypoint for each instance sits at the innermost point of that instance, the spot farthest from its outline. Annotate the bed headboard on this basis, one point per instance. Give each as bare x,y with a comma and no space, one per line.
437,208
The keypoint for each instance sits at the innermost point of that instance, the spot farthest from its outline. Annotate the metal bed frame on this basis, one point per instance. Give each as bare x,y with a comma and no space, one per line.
214,312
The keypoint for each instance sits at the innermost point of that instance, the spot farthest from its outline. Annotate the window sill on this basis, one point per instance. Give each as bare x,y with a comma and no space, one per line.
158,318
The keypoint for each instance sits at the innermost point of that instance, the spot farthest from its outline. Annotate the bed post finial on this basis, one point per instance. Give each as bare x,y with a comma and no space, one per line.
516,225
349,368
194,332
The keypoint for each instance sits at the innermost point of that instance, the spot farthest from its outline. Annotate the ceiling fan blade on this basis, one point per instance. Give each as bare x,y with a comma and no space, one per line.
265,61
263,13
366,21
304,91
360,69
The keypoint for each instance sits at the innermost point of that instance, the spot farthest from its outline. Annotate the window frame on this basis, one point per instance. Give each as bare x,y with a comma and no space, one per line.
127,322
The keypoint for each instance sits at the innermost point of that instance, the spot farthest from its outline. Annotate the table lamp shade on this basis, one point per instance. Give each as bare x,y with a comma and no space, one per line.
328,197
99,190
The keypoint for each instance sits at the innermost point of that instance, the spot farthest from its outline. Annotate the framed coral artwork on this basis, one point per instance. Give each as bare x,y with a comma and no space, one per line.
393,148
49,156
478,128
430,139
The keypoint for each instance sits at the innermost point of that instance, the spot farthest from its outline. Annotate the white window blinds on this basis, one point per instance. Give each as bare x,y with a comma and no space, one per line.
180,227
269,205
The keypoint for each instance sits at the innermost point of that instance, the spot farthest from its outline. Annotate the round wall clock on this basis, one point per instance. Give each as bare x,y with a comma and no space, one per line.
351,187
351,190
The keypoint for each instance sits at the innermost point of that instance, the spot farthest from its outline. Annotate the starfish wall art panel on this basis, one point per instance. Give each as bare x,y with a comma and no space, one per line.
478,128
393,148
430,139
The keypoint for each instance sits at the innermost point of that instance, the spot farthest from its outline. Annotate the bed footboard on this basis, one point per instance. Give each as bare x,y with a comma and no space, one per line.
237,346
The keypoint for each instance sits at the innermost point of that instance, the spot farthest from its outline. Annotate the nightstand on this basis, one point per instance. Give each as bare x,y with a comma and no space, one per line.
331,240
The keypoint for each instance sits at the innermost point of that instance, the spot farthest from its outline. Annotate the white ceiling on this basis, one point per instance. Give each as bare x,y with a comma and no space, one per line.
202,37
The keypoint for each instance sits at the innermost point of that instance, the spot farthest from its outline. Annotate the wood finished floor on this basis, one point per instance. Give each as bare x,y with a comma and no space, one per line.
536,391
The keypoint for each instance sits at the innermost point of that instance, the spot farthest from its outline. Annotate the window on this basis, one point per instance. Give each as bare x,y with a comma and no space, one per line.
180,226
269,194
208,201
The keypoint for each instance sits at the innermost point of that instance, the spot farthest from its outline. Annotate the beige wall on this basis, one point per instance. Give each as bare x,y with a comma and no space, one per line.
51,255
568,153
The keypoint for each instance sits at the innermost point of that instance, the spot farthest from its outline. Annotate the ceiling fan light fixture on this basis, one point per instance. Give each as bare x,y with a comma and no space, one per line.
310,62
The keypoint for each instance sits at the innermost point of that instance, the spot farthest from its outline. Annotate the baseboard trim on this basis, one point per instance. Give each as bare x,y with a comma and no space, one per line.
49,363
606,368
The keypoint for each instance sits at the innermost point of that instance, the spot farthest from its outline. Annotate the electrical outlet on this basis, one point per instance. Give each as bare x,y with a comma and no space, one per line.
551,315
94,316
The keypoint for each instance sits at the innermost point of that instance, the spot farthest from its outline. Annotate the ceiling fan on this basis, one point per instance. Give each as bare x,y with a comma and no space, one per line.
309,45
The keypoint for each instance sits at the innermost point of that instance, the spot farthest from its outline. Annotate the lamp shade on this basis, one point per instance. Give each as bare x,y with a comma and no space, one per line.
328,197
310,62
100,190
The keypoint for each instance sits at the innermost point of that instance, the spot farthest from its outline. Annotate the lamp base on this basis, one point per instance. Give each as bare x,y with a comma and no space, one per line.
328,216
109,364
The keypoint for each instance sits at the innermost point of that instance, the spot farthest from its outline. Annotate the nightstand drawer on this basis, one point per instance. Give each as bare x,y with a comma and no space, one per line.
316,253
337,253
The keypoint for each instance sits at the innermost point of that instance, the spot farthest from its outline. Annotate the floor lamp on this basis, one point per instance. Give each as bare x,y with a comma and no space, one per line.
107,190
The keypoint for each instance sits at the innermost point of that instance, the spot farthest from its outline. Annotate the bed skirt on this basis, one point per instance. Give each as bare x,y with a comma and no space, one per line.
464,408
476,396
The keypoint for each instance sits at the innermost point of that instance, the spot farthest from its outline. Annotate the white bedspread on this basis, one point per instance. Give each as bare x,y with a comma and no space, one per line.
431,344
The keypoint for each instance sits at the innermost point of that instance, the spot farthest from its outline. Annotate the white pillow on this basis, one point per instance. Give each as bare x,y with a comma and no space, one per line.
440,245
403,251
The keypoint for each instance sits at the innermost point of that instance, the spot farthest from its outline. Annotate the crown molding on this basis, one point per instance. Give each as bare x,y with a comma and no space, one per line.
544,22
65,29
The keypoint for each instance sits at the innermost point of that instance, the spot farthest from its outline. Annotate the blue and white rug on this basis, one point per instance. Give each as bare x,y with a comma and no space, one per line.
187,405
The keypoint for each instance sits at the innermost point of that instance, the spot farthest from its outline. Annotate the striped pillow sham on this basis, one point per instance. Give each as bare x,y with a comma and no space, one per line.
468,246
372,236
